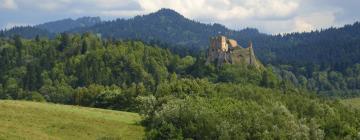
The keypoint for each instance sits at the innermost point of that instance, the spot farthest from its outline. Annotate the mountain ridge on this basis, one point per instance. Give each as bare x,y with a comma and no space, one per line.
68,24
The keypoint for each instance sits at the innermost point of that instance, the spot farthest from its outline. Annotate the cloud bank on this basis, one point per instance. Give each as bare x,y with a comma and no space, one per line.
270,16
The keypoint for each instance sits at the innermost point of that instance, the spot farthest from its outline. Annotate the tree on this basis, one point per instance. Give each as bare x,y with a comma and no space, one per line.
18,42
84,47
269,79
65,41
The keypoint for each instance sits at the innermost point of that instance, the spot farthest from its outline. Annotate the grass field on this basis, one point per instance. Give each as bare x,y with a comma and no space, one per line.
353,102
42,121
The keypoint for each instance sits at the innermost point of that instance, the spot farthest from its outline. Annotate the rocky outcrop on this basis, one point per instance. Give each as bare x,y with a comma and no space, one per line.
223,50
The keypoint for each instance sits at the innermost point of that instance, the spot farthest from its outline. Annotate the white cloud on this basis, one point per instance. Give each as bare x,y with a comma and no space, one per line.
225,9
120,13
49,6
8,4
303,26
237,14
106,4
314,21
277,8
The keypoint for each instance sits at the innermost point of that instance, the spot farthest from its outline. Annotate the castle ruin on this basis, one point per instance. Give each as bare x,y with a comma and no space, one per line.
223,50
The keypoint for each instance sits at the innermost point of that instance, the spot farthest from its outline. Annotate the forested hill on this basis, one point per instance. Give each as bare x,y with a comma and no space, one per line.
165,26
336,48
333,47
69,24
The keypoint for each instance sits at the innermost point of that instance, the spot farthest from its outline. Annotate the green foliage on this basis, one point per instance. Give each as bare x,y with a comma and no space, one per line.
247,112
36,96
244,74
269,79
326,82
84,70
240,74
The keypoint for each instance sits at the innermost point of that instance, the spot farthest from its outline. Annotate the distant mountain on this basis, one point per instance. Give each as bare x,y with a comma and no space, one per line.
167,26
69,24
26,32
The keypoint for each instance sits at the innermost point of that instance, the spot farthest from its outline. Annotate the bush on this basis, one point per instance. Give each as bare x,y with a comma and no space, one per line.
36,96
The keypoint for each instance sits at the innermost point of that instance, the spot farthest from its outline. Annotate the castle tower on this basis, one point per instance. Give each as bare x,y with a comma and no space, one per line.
218,48
223,45
252,59
223,50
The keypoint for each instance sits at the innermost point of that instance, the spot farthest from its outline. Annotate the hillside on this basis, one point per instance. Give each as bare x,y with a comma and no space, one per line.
31,120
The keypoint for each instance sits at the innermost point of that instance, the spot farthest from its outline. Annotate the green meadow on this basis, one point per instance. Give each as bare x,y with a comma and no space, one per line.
42,121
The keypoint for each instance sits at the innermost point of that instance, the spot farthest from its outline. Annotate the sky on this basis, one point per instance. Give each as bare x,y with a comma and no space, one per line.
269,16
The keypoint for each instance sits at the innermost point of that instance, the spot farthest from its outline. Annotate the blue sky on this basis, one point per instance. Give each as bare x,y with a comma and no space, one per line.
269,16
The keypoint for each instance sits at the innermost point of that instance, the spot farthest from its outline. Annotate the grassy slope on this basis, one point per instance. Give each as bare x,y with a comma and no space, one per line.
353,102
31,120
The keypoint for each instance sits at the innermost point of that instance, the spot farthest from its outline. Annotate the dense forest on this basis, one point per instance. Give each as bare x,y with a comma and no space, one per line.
179,97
